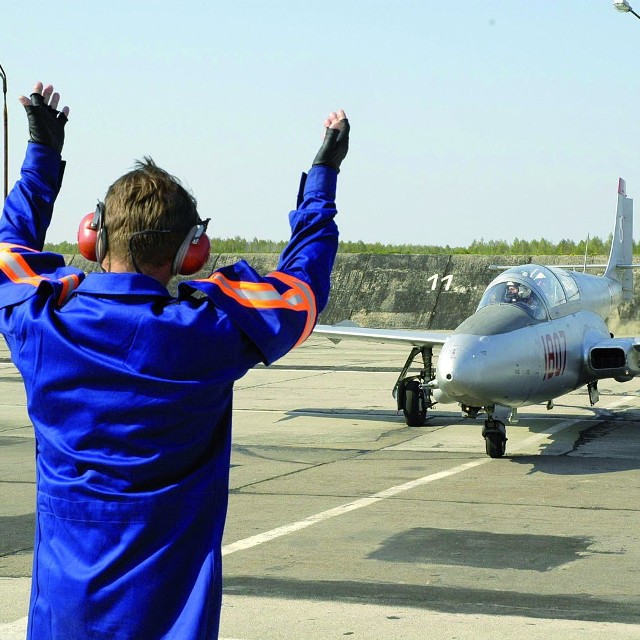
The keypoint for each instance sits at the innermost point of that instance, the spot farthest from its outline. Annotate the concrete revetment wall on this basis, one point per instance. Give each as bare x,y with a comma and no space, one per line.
412,291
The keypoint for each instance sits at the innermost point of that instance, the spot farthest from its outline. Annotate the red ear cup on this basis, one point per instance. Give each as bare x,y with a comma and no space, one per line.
190,257
92,235
193,253
87,236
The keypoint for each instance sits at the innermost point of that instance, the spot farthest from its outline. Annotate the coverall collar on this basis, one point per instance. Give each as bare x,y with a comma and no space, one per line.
119,284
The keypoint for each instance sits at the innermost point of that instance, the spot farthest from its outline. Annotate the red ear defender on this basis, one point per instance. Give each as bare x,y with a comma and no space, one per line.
193,252
92,235
87,236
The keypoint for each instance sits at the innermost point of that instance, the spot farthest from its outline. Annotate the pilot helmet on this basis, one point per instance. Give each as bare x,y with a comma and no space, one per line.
524,292
511,292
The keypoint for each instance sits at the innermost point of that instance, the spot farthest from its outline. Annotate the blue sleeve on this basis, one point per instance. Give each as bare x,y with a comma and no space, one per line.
311,252
278,311
24,270
29,206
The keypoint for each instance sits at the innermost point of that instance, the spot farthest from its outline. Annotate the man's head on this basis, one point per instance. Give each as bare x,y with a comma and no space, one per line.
511,292
140,208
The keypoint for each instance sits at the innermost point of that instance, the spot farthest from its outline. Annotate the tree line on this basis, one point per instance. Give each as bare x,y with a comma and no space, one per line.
541,247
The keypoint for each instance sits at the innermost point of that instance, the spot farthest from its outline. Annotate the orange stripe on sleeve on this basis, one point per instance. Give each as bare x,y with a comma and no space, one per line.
16,268
69,284
7,246
303,290
262,295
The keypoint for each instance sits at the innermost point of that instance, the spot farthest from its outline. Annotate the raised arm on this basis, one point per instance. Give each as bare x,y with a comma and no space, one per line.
278,311
310,253
28,208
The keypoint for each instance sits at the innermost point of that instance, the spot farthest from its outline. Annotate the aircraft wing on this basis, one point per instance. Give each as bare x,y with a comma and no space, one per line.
399,336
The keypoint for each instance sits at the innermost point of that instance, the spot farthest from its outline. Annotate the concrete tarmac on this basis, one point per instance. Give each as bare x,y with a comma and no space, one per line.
344,522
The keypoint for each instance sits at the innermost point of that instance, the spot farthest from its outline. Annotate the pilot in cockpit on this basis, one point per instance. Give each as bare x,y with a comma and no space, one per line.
512,292
516,292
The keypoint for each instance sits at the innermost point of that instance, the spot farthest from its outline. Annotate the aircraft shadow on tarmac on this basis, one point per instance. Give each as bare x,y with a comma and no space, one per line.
437,598
484,549
564,465
375,415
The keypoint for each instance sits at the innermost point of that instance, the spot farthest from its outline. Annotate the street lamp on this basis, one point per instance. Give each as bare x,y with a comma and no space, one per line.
624,7
5,127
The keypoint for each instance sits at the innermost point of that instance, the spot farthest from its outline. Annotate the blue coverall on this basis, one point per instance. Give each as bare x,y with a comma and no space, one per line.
130,393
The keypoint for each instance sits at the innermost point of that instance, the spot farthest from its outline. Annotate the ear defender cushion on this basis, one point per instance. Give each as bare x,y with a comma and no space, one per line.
193,252
87,237
92,236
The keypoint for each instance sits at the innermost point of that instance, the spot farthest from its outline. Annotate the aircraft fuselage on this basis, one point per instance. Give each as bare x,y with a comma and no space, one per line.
505,355
523,366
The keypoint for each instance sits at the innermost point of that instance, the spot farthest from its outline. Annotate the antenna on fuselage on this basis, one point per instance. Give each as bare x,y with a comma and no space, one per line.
586,249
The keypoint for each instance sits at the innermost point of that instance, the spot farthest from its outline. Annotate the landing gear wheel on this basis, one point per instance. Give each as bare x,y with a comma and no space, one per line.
495,438
495,445
414,405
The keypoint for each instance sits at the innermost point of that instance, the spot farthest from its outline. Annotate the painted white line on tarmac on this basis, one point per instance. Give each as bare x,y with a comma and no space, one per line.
17,630
261,538
14,630
254,541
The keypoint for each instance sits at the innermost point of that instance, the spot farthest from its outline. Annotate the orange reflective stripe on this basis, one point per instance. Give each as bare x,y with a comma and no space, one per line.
6,246
304,297
69,284
262,295
250,294
16,268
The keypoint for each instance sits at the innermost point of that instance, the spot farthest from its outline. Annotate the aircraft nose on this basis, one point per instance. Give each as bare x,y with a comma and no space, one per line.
461,374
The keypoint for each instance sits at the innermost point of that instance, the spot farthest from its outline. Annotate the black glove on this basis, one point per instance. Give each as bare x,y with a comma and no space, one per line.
335,146
46,124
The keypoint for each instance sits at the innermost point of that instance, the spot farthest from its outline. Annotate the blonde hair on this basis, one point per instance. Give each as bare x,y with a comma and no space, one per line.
148,199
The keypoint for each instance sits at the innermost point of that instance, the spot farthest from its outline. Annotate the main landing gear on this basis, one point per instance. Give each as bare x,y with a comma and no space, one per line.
412,393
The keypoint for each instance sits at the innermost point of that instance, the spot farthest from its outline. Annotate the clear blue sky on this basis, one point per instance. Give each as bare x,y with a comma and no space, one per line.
474,119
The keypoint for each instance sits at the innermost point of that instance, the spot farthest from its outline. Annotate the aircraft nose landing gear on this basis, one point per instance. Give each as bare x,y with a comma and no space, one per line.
494,433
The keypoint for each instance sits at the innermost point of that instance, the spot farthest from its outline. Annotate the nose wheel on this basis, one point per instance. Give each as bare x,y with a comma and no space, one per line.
495,438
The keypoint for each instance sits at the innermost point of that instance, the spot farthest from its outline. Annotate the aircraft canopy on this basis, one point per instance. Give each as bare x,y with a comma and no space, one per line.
533,287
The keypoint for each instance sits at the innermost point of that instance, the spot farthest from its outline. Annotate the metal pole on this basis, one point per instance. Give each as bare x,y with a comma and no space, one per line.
6,132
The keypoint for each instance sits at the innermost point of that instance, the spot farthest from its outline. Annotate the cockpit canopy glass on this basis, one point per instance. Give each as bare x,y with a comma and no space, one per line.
514,292
547,284
533,287
568,283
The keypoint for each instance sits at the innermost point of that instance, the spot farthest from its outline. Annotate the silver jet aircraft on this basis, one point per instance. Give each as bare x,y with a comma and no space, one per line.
538,333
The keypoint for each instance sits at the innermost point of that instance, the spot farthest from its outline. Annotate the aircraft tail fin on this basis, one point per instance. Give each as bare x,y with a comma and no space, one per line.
620,262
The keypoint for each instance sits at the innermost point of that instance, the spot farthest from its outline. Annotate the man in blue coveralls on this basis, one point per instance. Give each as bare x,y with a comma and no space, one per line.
130,388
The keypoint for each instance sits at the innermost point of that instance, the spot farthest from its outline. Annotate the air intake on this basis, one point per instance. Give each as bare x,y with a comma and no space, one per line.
607,358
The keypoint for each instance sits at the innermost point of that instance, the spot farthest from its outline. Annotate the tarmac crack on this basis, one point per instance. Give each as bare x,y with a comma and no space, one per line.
475,503
308,466
240,387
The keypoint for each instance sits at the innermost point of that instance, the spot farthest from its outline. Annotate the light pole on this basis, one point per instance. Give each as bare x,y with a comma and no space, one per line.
624,7
5,127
